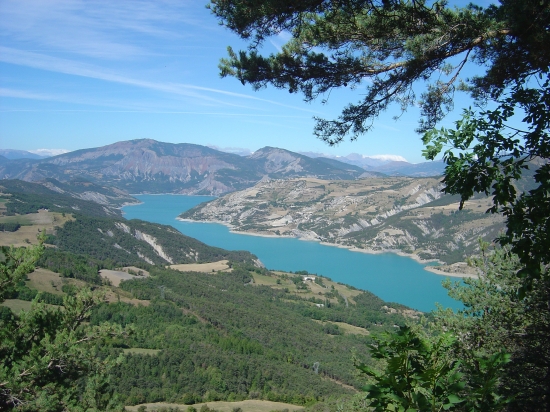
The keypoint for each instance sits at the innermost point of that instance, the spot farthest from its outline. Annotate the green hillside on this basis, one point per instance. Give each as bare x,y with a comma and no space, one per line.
136,242
28,197
224,339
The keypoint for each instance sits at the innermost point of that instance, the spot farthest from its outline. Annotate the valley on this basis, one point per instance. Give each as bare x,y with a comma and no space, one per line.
344,201
208,325
275,206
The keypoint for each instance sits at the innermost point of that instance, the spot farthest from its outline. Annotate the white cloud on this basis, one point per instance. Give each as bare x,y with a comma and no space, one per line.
97,28
277,46
23,94
71,67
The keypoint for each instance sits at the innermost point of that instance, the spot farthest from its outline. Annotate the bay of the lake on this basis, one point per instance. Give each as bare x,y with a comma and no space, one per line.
392,277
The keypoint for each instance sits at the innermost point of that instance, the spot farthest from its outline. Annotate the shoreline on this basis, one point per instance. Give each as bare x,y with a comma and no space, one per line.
129,204
416,258
434,269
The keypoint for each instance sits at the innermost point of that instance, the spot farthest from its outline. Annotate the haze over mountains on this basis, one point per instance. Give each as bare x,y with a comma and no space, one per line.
12,154
391,165
149,166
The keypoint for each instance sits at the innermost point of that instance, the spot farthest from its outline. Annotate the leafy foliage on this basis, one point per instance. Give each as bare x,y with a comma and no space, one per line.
15,264
220,338
487,155
394,44
420,375
71,265
397,44
49,359
491,355
496,318
9,227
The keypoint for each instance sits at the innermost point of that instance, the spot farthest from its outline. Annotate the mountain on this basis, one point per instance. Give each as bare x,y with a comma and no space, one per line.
364,173
280,163
99,231
424,169
19,154
369,162
134,242
387,164
85,190
148,166
199,334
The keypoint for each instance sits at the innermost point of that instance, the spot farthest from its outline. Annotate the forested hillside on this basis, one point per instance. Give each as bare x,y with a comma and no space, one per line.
221,337
74,197
135,242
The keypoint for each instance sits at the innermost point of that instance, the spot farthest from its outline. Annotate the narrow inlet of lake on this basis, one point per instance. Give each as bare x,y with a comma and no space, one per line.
392,277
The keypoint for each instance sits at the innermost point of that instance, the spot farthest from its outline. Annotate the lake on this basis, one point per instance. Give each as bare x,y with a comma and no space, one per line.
392,277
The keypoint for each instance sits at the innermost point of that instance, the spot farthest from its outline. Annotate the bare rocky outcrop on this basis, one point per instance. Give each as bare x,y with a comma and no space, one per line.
153,243
410,215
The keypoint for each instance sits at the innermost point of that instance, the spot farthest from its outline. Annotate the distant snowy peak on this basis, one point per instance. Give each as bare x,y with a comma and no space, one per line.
384,158
368,162
393,165
241,151
49,152
387,158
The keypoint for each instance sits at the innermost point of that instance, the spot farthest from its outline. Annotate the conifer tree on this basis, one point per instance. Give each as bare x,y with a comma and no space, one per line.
49,359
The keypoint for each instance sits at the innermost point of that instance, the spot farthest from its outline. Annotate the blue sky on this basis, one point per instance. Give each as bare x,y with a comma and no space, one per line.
77,74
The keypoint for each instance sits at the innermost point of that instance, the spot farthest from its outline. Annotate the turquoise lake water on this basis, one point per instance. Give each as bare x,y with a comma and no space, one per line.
394,278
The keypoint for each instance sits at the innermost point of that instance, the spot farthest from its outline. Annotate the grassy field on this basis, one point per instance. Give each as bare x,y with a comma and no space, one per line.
117,276
282,280
23,220
347,328
114,294
246,406
32,224
16,305
203,267
47,281
42,280
3,201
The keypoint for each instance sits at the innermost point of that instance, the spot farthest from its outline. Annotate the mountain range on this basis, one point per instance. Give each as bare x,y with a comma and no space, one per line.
149,166
390,165
12,154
